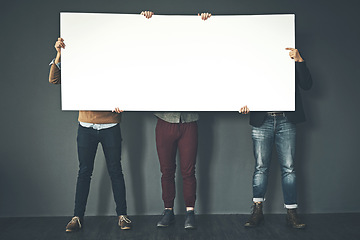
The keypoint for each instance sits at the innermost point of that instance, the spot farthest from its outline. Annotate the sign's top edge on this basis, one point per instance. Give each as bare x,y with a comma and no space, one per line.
185,15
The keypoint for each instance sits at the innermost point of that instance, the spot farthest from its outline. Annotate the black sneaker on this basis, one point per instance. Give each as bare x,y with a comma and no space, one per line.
190,220
73,225
167,218
257,215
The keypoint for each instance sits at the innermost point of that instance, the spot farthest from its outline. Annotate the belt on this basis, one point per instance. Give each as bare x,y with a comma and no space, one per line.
274,114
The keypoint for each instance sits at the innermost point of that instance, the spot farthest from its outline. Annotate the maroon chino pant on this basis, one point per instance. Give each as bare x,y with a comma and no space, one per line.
169,138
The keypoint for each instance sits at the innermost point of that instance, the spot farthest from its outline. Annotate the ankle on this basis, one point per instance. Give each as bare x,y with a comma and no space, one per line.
291,210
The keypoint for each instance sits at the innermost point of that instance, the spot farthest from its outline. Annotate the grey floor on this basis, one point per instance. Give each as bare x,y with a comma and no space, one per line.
319,226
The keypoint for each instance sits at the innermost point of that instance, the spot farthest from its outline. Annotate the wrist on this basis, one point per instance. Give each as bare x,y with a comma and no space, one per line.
57,59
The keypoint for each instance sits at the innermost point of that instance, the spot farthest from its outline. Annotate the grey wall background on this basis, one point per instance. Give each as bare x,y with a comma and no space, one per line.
38,160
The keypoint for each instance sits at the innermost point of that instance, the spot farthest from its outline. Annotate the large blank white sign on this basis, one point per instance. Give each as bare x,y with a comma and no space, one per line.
177,63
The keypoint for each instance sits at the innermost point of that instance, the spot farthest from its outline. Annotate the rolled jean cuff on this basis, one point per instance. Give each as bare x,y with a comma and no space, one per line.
291,206
258,199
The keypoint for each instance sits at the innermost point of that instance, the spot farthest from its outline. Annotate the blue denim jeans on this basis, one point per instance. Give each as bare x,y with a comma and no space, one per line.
87,143
279,131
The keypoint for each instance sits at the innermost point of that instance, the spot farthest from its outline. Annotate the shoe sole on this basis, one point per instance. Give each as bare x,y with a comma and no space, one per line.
254,226
294,227
190,228
164,226
124,227
69,230
297,227
250,226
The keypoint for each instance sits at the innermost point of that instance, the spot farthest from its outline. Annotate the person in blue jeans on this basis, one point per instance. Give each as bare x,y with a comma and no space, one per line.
279,128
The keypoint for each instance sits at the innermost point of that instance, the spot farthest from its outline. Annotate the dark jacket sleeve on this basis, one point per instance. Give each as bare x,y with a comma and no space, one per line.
55,74
303,76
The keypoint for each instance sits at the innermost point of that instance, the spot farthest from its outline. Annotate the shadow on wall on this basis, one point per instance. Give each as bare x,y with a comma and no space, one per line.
135,147
204,161
302,142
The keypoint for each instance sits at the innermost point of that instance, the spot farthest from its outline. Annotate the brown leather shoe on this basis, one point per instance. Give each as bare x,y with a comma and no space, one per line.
293,220
73,225
257,215
124,222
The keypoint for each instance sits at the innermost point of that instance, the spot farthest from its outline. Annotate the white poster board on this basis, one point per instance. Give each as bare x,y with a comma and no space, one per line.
177,63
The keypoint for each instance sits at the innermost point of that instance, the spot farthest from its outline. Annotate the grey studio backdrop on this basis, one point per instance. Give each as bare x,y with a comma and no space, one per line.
38,160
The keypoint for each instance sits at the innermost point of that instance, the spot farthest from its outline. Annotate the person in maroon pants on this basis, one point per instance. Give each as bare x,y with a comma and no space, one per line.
177,130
